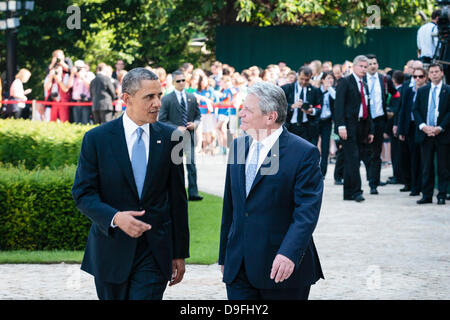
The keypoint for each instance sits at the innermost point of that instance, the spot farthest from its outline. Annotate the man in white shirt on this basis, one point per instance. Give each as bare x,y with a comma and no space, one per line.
427,39
432,114
132,190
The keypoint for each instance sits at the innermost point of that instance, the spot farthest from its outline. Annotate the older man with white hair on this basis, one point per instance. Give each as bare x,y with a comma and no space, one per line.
273,194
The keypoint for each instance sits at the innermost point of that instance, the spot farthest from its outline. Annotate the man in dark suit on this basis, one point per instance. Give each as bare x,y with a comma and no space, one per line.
180,109
304,106
410,149
379,88
103,94
272,199
432,114
129,186
355,126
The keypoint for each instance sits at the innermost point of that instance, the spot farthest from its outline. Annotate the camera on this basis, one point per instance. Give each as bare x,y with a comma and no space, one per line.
442,54
305,106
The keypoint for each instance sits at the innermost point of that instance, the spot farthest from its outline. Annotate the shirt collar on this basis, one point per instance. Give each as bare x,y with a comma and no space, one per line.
130,126
358,79
269,141
438,86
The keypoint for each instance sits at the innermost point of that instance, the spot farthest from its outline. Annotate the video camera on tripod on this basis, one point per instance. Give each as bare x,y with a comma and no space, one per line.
442,53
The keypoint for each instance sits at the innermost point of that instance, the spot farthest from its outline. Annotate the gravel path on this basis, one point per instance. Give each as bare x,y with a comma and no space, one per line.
387,247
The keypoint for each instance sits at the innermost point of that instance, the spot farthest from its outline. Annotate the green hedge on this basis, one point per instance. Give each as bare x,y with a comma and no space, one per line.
37,211
40,144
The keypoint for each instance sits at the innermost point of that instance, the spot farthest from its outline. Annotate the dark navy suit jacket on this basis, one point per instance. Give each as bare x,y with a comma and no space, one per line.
406,108
278,216
104,184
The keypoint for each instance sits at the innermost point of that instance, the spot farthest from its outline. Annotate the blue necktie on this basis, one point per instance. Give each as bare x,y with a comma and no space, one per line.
432,109
252,166
139,161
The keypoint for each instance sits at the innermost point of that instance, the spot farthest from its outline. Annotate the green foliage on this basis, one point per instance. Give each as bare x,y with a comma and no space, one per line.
40,144
37,211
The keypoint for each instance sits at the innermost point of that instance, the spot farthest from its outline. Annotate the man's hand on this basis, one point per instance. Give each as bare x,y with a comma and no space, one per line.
298,104
127,222
282,268
178,269
395,130
436,131
370,138
181,129
222,268
401,137
190,126
343,133
429,131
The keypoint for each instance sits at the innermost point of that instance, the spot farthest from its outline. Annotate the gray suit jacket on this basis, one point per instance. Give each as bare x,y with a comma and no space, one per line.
102,93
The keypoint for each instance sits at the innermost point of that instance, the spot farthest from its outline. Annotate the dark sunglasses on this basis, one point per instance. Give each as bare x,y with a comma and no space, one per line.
421,76
181,80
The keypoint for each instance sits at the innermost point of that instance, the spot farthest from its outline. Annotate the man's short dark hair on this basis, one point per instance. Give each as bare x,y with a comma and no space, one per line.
398,76
433,65
371,56
436,13
177,73
131,82
307,71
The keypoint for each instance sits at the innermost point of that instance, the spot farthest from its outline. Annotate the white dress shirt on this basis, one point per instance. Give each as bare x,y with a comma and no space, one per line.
130,128
266,144
360,115
326,110
180,94
426,43
376,101
297,93
436,110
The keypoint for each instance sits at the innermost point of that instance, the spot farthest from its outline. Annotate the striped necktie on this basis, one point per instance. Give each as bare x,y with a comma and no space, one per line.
184,110
252,167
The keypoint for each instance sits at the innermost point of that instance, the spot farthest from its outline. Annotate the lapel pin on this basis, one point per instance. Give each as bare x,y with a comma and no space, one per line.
158,141
274,155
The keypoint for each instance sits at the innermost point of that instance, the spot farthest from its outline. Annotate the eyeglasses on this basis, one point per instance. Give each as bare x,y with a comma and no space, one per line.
421,77
181,80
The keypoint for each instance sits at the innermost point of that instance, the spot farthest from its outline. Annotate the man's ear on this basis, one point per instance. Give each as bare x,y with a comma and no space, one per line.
273,116
126,97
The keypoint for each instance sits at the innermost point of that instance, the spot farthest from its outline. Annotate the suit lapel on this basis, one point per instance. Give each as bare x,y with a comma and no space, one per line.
120,151
155,146
443,96
242,148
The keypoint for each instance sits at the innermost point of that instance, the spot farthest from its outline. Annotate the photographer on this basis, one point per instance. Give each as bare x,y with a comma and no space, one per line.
16,92
427,39
79,80
56,87
59,59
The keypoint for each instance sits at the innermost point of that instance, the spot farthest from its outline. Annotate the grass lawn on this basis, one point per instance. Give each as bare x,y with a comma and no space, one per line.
204,225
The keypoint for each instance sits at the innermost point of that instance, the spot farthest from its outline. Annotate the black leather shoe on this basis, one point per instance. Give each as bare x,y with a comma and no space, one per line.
195,198
441,201
413,194
373,191
338,182
382,184
405,189
424,200
448,196
358,198
392,181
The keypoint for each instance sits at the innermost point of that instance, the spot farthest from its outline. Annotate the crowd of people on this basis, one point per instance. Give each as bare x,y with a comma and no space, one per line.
319,103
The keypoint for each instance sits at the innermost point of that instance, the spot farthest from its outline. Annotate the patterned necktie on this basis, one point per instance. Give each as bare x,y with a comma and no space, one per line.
184,110
363,101
252,167
139,161
432,109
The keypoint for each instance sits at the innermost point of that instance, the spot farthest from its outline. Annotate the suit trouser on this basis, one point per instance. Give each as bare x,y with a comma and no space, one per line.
354,151
410,159
339,166
81,114
395,152
429,147
146,282
325,134
189,152
376,147
241,289
102,116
